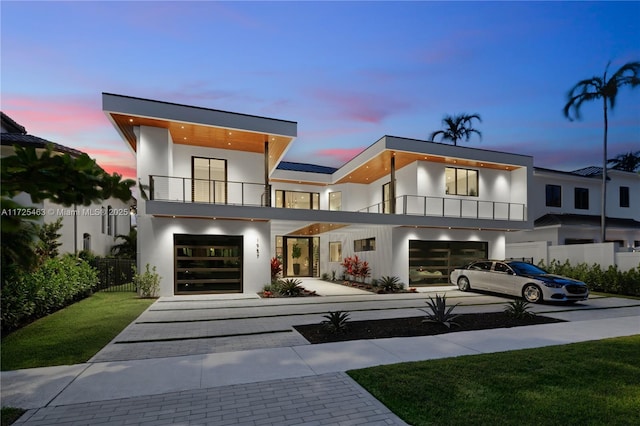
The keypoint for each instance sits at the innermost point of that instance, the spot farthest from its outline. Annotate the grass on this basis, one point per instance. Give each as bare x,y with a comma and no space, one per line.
72,335
591,383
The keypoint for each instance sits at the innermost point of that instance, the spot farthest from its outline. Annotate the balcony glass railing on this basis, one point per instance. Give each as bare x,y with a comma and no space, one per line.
419,205
188,190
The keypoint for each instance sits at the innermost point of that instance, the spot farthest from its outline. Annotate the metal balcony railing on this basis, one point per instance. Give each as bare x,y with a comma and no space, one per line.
188,190
419,205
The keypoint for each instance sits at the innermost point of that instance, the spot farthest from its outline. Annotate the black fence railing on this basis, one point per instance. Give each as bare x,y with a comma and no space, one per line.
115,274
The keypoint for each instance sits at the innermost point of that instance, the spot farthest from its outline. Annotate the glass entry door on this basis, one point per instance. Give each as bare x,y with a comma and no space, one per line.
301,256
208,264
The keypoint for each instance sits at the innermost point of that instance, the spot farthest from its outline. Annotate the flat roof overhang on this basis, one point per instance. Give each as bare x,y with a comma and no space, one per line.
198,126
374,162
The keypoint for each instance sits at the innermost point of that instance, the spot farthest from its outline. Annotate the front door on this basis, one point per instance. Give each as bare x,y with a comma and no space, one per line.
298,259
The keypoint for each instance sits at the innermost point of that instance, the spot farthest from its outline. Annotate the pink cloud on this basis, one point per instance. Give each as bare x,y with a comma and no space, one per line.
339,155
63,115
362,107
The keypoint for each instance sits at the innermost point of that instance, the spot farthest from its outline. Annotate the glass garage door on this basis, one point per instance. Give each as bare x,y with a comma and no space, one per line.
208,264
431,262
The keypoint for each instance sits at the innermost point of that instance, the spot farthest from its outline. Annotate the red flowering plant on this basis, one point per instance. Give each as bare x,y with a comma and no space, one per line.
276,268
355,268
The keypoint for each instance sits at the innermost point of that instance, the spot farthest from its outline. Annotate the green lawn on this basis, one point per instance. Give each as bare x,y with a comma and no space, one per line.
73,334
591,383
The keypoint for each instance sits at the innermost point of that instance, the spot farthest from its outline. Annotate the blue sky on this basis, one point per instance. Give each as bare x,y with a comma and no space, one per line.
347,72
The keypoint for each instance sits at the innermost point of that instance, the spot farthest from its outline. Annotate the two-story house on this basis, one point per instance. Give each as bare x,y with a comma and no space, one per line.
221,202
93,228
566,208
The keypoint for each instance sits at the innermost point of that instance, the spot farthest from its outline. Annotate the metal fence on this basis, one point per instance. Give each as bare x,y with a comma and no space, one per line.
115,274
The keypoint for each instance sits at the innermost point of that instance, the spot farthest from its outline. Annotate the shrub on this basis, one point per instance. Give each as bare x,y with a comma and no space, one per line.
290,287
611,280
55,284
336,322
147,284
356,268
519,309
276,268
440,313
390,284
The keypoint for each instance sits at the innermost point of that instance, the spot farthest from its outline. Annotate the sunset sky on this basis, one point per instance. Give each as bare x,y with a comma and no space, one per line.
347,72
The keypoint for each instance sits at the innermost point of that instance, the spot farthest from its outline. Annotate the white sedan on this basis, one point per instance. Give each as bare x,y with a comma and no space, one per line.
518,279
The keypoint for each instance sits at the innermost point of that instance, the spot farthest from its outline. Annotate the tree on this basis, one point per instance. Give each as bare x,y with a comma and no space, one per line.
629,162
61,178
128,247
595,88
48,234
457,127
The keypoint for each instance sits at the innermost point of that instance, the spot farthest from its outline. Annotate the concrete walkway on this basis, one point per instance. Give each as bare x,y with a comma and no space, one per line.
275,384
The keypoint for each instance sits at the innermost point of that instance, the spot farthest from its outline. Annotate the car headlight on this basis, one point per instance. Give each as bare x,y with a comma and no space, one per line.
553,284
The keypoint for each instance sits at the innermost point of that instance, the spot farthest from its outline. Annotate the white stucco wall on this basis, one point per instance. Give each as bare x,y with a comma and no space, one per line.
156,247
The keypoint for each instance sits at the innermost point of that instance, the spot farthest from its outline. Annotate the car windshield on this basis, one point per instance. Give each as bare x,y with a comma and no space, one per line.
527,268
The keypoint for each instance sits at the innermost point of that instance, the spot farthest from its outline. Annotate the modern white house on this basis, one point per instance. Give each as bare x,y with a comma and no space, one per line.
93,228
566,210
566,207
220,201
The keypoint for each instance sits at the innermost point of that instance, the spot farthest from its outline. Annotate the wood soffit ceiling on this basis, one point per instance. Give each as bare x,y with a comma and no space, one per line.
317,228
380,165
206,136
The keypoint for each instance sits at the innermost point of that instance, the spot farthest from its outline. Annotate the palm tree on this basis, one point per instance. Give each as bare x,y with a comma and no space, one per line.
606,89
629,162
128,247
457,127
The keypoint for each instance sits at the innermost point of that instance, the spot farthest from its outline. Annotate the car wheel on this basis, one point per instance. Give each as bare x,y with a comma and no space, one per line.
463,284
532,293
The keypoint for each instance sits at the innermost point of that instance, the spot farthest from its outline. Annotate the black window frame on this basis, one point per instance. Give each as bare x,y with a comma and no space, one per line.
553,195
458,191
624,196
581,198
364,244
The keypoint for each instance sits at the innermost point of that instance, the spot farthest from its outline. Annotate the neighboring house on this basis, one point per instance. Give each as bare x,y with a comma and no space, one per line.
221,202
566,208
91,227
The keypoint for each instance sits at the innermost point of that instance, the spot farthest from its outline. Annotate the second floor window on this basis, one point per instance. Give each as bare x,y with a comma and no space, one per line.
553,195
335,201
624,196
297,200
461,181
209,180
581,198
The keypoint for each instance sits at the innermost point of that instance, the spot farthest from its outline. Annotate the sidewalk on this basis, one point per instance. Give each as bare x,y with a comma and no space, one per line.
299,384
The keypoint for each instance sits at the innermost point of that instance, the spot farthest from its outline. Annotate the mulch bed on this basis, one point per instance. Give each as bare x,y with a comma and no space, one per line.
413,326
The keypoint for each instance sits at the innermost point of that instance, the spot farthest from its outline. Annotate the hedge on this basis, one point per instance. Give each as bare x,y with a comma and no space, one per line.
610,280
55,284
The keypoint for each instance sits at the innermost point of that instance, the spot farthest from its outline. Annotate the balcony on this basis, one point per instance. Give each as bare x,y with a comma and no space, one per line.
188,190
418,205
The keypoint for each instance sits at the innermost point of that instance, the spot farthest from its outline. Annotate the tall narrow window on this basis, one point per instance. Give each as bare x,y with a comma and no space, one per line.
209,180
109,220
553,195
581,198
335,201
386,198
624,196
335,251
103,220
86,242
